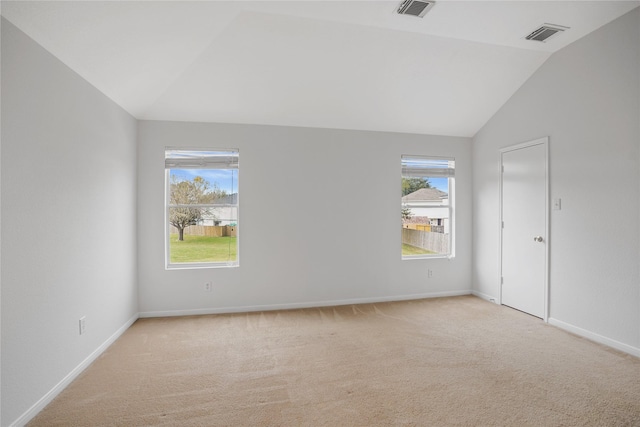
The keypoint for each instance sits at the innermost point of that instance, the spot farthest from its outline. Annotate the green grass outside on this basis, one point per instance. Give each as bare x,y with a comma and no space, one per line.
414,250
223,249
202,249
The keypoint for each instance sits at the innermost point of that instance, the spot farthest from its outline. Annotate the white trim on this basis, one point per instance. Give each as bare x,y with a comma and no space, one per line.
201,265
450,206
295,305
544,141
167,208
426,256
485,297
51,394
600,339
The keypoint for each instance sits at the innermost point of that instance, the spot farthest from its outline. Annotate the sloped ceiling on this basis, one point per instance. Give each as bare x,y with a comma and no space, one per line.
334,64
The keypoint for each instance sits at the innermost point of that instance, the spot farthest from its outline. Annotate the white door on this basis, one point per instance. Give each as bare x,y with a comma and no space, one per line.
524,227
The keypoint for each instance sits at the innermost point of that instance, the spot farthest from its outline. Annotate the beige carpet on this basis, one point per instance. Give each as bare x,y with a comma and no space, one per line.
440,362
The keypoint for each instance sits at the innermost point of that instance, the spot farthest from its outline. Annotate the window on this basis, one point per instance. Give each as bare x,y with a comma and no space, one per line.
427,205
201,208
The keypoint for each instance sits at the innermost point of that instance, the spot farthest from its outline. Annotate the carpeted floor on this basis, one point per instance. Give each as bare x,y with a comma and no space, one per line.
439,362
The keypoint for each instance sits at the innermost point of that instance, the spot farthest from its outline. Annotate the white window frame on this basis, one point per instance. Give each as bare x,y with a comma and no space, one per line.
195,162
424,171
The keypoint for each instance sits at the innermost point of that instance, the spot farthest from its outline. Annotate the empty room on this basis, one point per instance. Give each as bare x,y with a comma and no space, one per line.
320,213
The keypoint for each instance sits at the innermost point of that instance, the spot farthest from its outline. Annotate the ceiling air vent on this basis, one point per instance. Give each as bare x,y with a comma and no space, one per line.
545,31
417,8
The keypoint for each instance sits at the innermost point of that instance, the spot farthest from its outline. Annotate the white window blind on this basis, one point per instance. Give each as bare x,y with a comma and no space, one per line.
417,167
192,159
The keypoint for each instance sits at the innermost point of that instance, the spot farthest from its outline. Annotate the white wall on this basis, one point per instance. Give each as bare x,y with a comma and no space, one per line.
0,223
586,98
68,223
302,240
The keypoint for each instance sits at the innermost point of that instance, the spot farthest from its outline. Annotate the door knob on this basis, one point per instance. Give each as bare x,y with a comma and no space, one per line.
538,239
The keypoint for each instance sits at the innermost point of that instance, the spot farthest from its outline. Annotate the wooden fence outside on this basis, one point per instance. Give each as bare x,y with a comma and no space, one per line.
421,227
434,242
209,230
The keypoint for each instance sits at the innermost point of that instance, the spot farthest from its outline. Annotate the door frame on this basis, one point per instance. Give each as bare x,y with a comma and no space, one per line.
544,141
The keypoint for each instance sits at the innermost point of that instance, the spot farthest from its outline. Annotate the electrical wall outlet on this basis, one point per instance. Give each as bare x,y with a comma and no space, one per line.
429,273
208,286
82,324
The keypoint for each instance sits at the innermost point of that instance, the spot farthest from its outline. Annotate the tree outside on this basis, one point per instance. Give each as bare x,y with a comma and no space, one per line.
409,185
198,191
406,213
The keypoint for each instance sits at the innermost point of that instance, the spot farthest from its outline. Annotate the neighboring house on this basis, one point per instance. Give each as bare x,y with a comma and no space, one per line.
224,214
429,203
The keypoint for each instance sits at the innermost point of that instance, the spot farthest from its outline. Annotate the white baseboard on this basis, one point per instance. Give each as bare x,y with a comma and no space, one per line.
47,398
595,337
485,297
289,306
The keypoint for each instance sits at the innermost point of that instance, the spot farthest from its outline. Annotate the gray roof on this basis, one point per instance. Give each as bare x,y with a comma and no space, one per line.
229,199
425,195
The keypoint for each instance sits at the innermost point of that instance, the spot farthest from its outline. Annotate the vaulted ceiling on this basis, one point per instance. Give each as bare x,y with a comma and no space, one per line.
335,64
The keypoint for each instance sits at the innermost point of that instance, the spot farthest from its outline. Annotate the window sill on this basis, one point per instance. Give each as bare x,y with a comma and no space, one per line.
412,257
198,266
